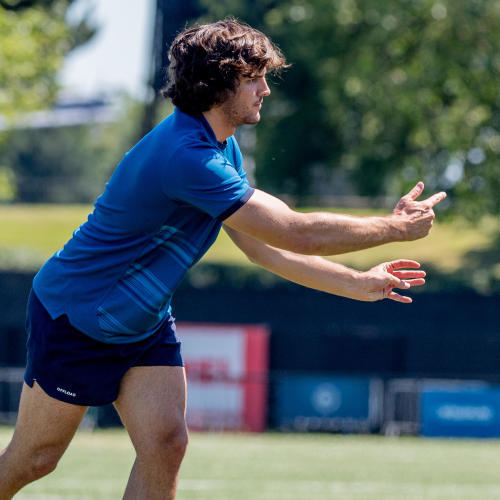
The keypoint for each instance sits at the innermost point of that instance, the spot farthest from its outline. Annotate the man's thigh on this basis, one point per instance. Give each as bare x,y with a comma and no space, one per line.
44,425
152,402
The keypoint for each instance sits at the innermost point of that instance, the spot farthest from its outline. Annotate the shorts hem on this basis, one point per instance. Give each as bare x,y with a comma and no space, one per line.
60,396
173,365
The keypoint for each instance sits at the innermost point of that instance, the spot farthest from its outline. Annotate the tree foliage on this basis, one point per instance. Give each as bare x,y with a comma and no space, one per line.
387,93
34,38
67,164
17,5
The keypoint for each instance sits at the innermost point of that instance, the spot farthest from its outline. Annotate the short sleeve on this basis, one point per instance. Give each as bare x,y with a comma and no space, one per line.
203,177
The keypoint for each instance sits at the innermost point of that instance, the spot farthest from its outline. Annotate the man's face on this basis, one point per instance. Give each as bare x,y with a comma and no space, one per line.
243,107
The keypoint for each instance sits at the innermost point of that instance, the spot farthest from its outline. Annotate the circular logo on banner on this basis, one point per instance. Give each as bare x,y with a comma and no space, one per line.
326,399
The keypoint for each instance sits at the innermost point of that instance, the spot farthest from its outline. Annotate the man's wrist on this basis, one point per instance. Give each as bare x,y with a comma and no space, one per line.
353,280
395,228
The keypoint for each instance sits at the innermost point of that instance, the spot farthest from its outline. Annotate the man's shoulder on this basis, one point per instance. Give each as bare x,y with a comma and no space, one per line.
187,131
192,139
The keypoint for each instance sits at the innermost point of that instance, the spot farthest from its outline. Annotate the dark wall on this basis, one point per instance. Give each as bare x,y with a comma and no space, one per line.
439,335
14,291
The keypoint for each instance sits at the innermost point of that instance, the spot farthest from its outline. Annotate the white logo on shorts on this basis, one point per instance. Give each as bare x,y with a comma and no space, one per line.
68,393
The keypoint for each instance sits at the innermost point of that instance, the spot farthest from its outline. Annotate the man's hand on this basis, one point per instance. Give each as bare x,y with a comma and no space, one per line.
378,283
417,216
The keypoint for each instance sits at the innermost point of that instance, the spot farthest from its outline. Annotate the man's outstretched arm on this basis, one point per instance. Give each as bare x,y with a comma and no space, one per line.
271,221
321,274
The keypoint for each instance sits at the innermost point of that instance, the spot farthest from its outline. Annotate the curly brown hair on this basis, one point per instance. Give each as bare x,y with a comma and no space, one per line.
207,61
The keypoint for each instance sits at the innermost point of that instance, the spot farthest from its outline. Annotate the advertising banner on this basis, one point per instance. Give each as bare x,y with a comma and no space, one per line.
461,412
313,402
227,369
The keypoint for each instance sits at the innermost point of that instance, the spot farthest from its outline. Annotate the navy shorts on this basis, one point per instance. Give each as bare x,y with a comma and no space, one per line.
73,367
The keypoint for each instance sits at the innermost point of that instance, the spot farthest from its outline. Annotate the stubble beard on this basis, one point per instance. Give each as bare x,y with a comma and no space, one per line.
236,117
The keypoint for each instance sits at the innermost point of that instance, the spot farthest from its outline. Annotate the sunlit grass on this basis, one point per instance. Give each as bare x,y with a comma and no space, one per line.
41,228
284,467
445,248
29,234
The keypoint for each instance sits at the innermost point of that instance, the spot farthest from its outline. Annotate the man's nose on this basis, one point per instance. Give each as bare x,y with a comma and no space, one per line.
264,89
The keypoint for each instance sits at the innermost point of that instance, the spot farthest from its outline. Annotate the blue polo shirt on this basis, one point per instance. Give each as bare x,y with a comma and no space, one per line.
160,212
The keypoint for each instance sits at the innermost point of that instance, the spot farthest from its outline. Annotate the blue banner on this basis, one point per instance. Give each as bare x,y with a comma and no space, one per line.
310,402
461,413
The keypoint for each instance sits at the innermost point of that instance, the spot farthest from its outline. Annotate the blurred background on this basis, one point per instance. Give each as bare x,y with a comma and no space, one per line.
379,95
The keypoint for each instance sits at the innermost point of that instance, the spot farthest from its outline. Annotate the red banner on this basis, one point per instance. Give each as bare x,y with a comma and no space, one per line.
227,369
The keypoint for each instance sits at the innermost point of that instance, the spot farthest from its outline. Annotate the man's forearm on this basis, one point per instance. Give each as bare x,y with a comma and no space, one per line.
325,233
269,220
309,270
331,277
327,276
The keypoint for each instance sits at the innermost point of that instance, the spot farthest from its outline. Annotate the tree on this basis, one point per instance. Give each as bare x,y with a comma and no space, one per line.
67,164
171,17
386,92
34,38
17,5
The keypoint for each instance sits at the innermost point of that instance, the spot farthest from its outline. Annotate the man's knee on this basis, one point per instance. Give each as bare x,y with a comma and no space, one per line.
172,442
179,441
41,462
168,444
18,470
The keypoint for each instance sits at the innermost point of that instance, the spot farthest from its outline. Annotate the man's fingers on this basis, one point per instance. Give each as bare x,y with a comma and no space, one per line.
404,275
399,298
416,282
400,263
434,199
393,282
395,277
415,191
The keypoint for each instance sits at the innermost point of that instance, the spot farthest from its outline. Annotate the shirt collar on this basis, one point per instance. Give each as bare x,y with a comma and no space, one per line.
208,128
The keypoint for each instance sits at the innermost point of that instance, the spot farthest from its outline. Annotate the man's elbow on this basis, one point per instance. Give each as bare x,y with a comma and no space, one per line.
253,254
253,257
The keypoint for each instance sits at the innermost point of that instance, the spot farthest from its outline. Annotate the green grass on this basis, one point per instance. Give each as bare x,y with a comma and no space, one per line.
445,248
31,233
285,467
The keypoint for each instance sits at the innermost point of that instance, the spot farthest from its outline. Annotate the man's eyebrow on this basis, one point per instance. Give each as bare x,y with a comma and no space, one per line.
257,75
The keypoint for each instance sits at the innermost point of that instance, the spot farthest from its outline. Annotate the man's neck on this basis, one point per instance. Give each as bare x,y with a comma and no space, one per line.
218,122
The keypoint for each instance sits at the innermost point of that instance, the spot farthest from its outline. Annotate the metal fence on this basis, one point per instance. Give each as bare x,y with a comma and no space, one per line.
328,403
402,407
11,383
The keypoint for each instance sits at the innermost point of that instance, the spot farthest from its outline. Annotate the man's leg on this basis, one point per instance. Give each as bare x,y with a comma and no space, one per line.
44,429
152,406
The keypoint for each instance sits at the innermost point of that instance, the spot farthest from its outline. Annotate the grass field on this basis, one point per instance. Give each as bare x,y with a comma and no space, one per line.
285,467
31,233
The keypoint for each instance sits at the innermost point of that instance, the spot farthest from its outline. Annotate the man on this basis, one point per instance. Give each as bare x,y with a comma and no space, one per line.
99,317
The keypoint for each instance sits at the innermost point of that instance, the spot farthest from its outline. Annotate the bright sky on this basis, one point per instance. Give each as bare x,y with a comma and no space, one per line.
119,55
